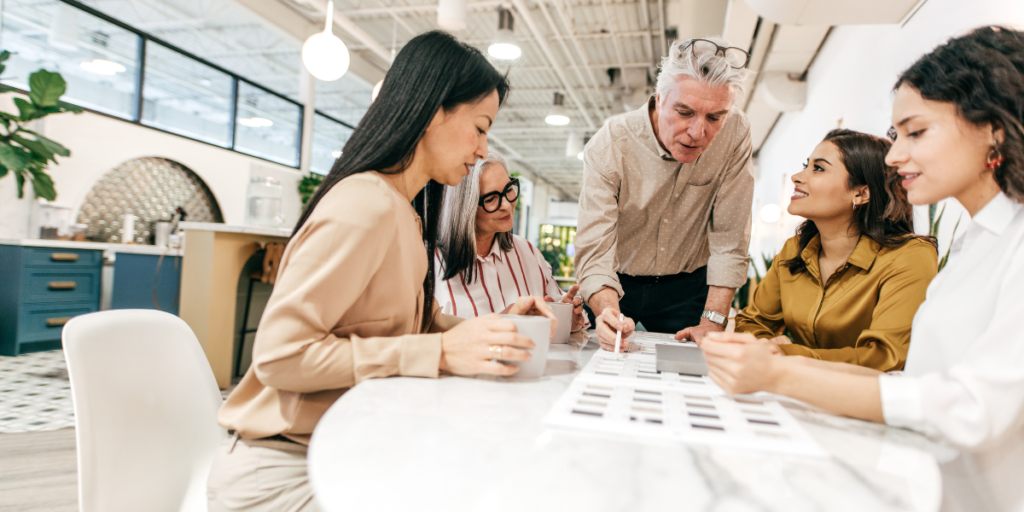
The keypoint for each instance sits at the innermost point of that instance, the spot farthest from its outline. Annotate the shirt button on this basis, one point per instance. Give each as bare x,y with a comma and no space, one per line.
663,249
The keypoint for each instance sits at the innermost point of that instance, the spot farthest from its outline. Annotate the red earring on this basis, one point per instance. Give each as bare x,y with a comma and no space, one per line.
992,163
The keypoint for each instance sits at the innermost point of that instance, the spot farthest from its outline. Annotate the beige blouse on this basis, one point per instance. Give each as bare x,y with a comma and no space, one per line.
346,307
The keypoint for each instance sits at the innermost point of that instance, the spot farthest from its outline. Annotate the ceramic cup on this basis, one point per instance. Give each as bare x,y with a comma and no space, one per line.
538,329
563,312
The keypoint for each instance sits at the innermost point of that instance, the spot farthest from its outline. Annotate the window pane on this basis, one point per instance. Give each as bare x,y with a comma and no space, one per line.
268,125
97,59
186,97
346,98
329,137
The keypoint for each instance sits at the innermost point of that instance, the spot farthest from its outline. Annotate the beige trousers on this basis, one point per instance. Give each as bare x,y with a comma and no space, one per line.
260,476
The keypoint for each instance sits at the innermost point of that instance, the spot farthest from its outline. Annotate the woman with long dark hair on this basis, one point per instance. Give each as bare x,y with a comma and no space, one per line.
846,287
354,294
958,121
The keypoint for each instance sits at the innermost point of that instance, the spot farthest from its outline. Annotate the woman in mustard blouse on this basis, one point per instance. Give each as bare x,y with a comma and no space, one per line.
847,286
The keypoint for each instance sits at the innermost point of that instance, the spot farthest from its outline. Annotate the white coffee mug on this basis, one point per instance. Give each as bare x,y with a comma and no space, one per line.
563,312
538,329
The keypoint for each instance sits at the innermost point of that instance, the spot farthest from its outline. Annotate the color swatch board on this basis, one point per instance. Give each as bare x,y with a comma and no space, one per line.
638,367
623,394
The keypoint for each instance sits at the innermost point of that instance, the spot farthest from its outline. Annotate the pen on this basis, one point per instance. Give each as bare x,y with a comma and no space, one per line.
618,334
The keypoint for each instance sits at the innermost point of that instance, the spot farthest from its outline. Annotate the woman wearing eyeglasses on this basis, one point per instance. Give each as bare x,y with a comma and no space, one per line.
481,266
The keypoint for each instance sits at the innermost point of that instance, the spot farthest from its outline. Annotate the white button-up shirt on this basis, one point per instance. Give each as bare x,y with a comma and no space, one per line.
964,377
501,278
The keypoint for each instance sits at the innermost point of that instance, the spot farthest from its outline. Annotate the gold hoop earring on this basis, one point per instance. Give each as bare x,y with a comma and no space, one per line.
994,162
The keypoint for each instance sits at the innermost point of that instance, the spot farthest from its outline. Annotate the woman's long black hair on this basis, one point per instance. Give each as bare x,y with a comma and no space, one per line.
887,217
433,71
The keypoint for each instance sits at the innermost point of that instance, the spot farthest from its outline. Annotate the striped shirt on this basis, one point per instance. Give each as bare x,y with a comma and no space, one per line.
501,278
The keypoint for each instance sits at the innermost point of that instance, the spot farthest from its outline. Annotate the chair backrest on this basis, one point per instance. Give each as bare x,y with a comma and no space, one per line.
145,411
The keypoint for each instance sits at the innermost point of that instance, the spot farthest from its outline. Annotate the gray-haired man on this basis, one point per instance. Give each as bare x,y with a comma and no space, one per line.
664,219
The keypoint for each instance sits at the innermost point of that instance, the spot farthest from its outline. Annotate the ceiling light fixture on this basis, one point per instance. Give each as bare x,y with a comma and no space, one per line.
102,67
771,213
376,90
557,116
255,122
574,147
451,14
324,55
504,46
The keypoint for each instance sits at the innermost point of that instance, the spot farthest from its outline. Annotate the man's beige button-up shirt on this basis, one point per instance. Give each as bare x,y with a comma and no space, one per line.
643,213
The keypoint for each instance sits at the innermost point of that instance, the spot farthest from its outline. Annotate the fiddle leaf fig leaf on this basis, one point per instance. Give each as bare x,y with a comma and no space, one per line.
42,184
46,88
35,146
26,110
53,146
13,157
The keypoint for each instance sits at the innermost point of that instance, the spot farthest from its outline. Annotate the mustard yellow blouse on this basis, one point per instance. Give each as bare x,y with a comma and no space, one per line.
861,316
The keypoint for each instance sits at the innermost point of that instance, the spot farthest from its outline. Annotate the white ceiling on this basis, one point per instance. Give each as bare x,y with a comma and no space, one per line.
568,46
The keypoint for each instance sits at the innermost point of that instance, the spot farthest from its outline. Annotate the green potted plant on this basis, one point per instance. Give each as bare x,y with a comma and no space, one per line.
23,152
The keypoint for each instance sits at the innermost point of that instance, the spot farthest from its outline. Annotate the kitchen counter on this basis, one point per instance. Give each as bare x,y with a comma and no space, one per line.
96,246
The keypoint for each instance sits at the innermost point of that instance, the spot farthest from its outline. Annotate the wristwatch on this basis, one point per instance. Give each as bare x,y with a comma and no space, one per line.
715,317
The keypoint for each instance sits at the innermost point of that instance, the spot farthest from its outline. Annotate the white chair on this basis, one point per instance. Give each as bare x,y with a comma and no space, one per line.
145,412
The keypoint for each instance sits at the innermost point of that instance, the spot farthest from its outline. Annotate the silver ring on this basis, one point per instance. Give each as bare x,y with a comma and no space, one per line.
495,351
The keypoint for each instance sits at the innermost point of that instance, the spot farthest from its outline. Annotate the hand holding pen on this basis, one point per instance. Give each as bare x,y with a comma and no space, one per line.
609,324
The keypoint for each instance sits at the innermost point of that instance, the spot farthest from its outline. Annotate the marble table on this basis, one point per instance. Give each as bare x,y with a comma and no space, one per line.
458,444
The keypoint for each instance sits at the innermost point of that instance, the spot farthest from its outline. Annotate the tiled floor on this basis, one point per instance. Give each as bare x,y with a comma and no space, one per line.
35,393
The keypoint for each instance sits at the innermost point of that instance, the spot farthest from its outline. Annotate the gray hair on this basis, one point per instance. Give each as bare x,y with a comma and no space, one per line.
456,236
708,67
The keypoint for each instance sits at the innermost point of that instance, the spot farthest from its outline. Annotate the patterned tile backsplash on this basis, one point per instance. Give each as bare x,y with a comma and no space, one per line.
149,188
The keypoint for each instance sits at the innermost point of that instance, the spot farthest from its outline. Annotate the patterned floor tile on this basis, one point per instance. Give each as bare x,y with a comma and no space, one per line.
35,394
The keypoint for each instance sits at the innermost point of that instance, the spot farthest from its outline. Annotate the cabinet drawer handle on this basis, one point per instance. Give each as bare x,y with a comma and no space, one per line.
63,285
57,322
63,256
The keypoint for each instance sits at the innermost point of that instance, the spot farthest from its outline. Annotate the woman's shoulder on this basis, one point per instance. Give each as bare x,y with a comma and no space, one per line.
361,196
916,253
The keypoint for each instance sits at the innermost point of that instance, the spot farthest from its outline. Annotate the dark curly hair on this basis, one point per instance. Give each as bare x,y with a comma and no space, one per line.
887,217
982,73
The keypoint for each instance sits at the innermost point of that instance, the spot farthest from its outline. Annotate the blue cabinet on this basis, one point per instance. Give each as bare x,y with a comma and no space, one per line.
41,288
144,281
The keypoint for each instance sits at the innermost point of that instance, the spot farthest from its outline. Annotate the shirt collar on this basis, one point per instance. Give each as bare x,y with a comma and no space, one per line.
495,250
649,136
997,214
863,254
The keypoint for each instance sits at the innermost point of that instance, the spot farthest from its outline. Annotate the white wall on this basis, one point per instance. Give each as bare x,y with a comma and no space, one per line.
852,80
99,143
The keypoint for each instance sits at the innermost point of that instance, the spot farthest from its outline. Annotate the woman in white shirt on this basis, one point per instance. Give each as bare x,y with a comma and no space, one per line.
481,267
958,118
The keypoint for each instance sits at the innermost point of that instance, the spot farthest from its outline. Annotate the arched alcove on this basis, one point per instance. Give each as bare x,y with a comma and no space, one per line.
150,188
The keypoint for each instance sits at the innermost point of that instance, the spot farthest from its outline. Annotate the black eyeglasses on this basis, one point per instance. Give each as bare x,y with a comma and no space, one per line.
735,57
491,201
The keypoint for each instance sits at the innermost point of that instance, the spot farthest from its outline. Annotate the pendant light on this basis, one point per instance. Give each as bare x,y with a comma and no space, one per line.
323,54
451,14
557,116
574,146
504,46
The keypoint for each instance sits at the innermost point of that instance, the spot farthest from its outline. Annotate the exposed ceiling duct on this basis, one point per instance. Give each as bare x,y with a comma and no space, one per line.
833,12
783,92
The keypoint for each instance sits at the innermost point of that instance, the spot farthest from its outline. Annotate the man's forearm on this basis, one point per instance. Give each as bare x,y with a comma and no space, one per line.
719,299
604,298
